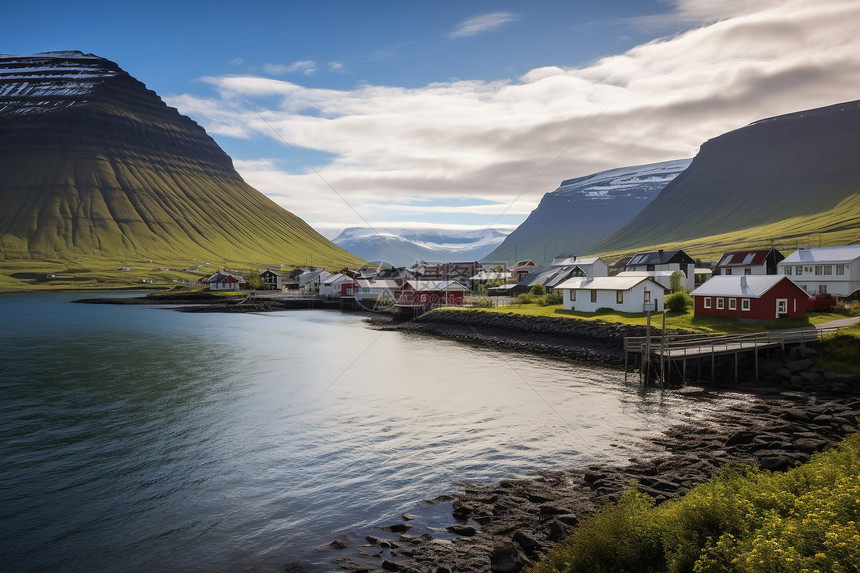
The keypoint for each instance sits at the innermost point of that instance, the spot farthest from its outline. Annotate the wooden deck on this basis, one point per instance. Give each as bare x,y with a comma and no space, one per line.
657,355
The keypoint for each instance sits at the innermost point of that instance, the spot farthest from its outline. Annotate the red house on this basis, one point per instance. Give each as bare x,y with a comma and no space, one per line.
427,295
758,297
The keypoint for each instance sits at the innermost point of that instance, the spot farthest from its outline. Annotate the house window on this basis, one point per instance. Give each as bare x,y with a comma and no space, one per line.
828,269
721,303
733,304
818,270
707,302
647,296
822,289
840,269
747,271
798,270
787,270
781,306
593,295
745,304
728,272
572,295
619,297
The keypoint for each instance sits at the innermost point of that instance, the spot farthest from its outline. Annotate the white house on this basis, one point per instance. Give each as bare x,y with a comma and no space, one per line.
583,266
310,281
376,293
625,294
331,286
834,270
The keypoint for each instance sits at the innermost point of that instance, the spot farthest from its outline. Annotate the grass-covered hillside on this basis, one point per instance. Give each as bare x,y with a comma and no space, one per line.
789,180
98,173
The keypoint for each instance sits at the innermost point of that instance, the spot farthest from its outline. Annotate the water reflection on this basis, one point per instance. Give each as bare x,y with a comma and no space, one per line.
137,438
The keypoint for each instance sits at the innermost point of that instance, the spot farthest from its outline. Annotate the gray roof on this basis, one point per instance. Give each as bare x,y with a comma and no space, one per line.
747,286
840,254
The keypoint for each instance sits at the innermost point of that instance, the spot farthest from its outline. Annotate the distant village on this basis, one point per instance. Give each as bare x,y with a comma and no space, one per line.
753,284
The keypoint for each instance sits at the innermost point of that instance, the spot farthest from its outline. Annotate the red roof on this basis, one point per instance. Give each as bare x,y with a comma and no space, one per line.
744,258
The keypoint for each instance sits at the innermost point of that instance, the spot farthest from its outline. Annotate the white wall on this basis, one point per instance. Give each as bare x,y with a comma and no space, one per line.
634,299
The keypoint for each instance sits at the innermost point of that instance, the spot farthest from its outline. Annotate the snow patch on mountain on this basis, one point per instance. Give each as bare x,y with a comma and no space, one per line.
401,247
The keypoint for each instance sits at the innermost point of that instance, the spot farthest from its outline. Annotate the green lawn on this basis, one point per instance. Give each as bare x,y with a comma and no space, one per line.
674,320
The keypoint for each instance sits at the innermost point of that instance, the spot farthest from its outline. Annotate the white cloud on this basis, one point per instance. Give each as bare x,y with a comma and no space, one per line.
306,67
481,24
501,140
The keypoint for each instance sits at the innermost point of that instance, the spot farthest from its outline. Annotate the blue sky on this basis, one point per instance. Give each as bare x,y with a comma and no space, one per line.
457,114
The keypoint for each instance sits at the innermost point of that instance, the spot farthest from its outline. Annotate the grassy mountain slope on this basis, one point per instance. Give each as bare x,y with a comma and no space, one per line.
787,180
113,174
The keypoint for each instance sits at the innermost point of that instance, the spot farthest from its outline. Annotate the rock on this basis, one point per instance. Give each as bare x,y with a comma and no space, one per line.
782,373
809,445
397,528
464,530
527,541
774,460
508,558
800,365
800,352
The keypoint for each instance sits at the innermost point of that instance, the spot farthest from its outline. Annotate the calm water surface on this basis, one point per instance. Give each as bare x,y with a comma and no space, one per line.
142,439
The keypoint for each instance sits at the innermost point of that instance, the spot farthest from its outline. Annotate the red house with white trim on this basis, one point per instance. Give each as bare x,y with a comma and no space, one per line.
758,297
428,295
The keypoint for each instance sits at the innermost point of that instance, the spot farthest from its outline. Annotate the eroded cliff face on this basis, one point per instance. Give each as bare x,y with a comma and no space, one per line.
93,162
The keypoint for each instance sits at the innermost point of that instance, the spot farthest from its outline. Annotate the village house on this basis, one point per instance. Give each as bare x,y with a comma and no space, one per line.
583,266
427,295
524,268
310,281
374,293
332,287
225,281
760,262
834,270
660,260
459,271
487,277
624,294
758,297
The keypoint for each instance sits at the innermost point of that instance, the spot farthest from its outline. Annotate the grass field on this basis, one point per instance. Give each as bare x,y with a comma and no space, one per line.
685,320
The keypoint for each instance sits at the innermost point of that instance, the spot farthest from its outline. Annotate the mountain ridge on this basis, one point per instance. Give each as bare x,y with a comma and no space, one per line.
96,165
585,209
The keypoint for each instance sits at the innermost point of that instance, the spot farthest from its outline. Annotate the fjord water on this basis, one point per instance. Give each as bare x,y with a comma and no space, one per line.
137,438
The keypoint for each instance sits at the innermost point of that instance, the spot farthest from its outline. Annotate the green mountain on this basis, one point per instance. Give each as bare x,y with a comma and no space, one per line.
788,180
584,210
95,167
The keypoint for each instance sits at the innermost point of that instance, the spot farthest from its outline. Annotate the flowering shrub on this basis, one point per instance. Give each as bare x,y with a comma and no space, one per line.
805,520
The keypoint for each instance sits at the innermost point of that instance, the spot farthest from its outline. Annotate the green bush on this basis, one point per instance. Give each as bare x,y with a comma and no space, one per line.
552,298
678,301
538,290
848,308
742,520
526,298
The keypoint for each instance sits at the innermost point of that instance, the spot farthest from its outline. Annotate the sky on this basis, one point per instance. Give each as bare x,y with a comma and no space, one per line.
457,114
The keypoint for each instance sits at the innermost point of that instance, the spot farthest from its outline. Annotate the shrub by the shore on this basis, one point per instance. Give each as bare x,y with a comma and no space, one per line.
742,520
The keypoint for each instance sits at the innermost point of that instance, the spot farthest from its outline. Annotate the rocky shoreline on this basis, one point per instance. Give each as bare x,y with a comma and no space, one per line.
506,526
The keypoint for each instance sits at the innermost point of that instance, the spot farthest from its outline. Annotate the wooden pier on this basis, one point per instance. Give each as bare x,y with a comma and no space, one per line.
660,355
